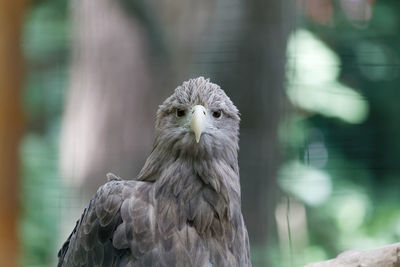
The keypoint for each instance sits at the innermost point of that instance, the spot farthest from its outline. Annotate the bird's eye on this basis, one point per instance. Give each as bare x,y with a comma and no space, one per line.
217,113
180,112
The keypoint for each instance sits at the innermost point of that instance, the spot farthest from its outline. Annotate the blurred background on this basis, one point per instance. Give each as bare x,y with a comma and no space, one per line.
316,82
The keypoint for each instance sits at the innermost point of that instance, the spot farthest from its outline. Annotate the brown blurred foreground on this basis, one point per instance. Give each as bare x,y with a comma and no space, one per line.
11,14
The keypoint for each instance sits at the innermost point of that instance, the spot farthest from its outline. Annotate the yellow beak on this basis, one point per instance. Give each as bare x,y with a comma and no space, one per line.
198,121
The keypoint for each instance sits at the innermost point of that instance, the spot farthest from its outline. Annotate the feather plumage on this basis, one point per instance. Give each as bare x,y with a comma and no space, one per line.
184,207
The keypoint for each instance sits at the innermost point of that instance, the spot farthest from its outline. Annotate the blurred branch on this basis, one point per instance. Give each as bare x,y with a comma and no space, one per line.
386,256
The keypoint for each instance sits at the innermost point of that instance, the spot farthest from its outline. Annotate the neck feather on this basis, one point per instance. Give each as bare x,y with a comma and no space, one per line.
203,192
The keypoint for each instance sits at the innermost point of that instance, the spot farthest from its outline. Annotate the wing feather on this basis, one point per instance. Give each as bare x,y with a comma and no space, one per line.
126,225
101,237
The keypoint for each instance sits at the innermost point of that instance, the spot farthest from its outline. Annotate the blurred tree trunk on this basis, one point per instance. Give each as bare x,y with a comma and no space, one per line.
256,83
11,14
108,122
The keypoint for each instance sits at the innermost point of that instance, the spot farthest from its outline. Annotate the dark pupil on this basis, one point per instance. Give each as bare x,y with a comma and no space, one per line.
217,113
180,112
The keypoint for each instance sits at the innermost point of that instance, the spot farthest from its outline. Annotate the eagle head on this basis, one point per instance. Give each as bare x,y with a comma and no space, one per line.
198,120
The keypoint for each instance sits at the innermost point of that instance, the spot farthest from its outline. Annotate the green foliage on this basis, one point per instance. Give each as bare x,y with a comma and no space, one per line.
45,45
41,194
360,158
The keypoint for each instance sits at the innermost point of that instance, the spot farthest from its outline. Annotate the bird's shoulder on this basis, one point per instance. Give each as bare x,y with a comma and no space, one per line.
97,238
124,224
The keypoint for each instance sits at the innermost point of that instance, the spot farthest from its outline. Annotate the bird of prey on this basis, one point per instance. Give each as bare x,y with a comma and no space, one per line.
183,209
